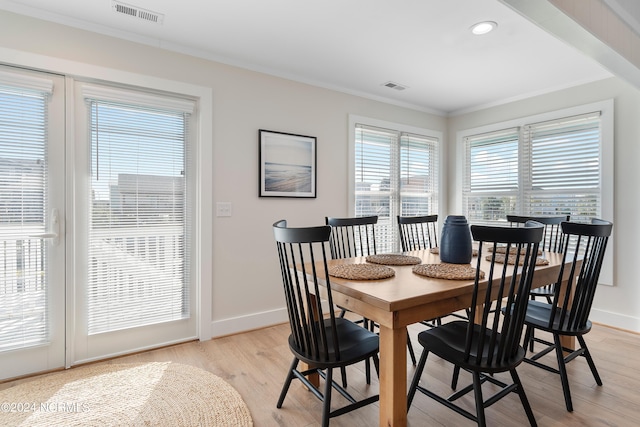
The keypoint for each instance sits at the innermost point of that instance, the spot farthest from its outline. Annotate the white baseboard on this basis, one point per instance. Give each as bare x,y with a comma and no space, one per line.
615,320
253,321
235,325
249,322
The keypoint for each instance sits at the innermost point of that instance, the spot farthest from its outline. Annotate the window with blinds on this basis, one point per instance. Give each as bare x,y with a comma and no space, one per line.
418,175
23,206
491,187
396,173
138,238
565,167
546,168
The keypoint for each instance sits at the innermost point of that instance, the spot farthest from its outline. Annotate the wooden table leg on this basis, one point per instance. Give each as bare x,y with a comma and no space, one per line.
315,377
567,341
393,376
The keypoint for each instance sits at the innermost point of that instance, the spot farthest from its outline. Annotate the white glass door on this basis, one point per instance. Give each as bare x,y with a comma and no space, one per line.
95,221
32,222
132,236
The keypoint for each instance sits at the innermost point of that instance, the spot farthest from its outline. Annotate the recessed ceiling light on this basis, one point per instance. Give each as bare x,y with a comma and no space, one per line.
483,27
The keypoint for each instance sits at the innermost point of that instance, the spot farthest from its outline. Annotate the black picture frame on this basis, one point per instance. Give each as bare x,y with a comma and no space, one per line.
288,164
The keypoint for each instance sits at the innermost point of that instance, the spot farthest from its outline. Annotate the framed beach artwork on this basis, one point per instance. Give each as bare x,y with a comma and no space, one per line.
287,165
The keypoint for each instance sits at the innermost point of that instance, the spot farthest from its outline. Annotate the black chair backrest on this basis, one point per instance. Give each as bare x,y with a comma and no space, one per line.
297,247
588,245
418,232
501,330
552,240
351,237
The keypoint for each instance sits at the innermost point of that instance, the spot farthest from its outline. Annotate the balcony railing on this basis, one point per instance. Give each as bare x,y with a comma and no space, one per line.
136,276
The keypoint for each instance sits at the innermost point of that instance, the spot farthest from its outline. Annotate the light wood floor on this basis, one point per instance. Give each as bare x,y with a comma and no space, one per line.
256,363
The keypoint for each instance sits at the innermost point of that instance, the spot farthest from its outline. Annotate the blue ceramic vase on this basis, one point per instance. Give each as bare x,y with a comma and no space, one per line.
455,241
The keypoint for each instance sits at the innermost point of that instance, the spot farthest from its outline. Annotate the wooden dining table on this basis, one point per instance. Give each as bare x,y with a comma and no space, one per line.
405,299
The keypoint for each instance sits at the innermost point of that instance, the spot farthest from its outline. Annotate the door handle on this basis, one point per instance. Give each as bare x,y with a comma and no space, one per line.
54,232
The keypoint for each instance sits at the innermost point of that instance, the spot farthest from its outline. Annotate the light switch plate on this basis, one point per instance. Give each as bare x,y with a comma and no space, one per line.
223,209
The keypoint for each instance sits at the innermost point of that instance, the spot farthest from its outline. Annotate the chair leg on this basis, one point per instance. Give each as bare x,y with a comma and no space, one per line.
587,356
367,324
477,389
530,332
376,364
416,378
410,348
287,382
454,377
326,403
562,368
343,374
528,339
367,370
523,398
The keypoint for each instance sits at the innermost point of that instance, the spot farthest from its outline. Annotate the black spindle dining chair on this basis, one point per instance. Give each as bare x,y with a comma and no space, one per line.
493,344
318,338
352,237
552,241
568,312
419,233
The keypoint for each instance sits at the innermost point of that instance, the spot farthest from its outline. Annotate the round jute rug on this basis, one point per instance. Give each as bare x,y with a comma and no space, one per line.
146,394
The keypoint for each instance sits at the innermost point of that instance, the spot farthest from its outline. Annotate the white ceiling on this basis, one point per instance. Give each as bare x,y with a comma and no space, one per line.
354,46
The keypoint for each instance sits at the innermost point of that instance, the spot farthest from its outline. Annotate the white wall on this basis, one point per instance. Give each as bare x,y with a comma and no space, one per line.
246,289
617,305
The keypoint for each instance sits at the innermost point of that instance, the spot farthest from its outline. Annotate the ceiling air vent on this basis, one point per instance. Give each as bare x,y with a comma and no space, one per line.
396,86
137,12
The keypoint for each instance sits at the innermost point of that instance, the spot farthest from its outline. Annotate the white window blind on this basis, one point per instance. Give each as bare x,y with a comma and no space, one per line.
23,206
565,167
138,239
546,168
396,173
418,175
491,183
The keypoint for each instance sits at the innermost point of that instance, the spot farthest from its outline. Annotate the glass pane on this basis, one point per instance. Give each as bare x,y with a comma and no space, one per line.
23,177
568,159
581,207
494,167
375,181
137,236
418,176
490,209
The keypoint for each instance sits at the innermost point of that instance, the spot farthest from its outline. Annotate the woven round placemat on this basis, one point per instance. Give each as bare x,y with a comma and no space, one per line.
511,260
447,271
436,250
137,394
393,259
361,271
